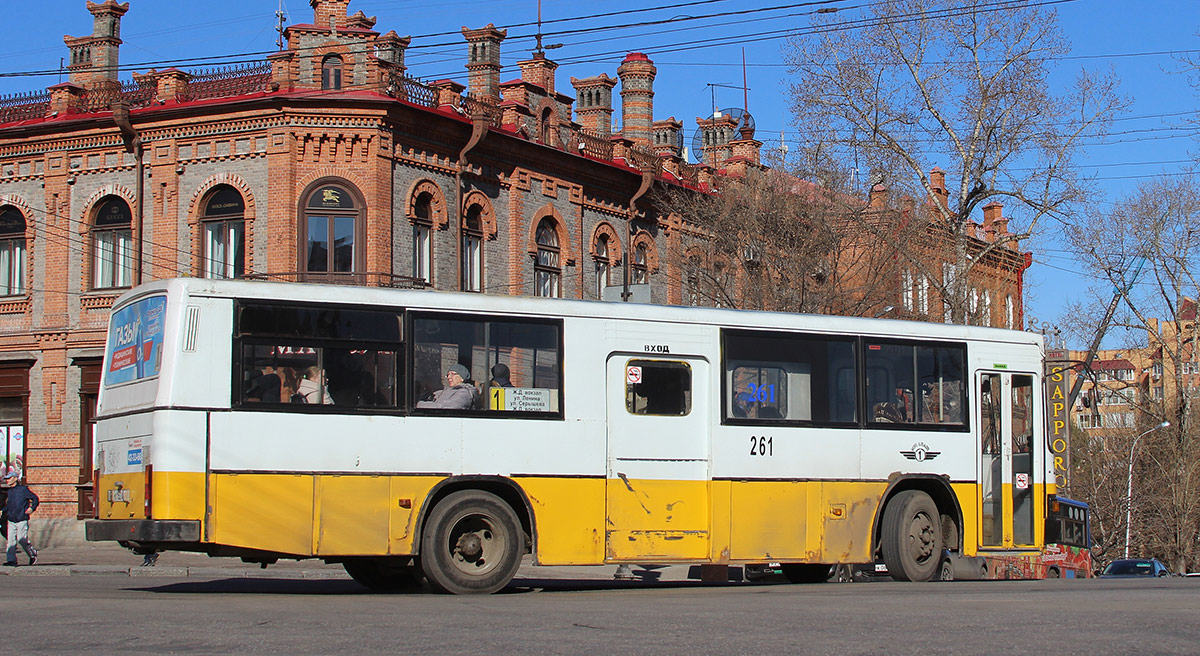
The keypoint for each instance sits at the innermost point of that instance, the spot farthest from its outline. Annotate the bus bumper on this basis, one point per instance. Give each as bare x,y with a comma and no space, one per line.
142,530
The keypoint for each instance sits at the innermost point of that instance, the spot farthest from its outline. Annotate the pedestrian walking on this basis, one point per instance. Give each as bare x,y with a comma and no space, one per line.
21,501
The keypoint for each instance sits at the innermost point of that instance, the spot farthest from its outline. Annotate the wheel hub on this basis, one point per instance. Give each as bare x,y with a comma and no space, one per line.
469,547
921,538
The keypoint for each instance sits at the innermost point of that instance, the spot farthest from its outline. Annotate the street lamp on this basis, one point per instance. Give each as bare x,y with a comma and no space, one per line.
1129,485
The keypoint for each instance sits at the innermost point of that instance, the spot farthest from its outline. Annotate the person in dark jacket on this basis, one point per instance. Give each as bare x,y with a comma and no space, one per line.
21,501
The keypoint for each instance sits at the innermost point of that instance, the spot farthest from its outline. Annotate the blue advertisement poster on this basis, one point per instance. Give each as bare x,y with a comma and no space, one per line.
135,340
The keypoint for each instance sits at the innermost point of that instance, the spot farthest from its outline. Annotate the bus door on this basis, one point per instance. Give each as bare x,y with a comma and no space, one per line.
658,459
1008,480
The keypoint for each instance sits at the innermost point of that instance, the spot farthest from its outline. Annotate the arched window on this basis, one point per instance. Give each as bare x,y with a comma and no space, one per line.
545,125
422,237
332,221
472,249
546,272
12,251
603,265
223,218
331,72
112,244
638,275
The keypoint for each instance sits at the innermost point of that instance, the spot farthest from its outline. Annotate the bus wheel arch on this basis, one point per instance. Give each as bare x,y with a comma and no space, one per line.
472,542
921,498
504,488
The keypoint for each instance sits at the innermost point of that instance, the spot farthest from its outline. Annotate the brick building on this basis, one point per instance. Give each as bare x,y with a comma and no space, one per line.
324,163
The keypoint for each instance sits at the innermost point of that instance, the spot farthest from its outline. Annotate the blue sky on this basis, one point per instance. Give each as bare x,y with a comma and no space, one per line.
699,61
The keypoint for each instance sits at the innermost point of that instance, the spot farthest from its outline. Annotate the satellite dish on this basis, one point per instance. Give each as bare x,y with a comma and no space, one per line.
743,126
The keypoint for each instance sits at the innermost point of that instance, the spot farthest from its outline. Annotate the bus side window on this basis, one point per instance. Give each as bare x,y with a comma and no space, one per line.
665,389
514,365
779,376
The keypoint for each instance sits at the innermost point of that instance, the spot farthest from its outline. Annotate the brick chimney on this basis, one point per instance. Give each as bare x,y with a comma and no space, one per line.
539,71
483,62
94,59
995,225
878,197
330,13
593,103
937,180
716,134
637,98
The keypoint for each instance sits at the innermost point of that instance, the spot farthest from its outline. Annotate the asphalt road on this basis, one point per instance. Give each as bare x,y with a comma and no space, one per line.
145,614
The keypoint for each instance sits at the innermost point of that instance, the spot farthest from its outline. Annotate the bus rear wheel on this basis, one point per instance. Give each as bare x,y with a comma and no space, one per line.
912,539
471,544
384,574
806,572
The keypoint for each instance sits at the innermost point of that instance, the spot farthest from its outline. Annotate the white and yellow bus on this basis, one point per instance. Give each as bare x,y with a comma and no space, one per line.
268,420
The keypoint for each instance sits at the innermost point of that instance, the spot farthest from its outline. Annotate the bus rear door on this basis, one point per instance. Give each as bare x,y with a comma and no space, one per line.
658,459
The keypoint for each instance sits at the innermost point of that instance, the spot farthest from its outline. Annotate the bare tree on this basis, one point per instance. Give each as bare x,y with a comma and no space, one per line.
919,84
1149,247
768,240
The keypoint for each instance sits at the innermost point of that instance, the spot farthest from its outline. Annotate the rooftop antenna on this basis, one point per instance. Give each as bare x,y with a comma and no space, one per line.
280,19
539,50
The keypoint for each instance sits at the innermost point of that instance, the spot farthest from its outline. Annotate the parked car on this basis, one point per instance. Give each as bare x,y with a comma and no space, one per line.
1135,568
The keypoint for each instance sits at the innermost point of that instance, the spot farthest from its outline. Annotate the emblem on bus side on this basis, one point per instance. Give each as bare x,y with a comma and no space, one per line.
920,452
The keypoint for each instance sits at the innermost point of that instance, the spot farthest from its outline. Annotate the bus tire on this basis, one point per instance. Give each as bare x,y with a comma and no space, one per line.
1053,573
471,544
912,540
946,573
384,574
806,572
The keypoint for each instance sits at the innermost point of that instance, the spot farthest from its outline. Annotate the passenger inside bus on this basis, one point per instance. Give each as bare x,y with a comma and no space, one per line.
458,394
263,384
313,388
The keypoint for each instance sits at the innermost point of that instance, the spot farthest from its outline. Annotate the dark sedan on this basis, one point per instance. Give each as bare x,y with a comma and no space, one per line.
1135,568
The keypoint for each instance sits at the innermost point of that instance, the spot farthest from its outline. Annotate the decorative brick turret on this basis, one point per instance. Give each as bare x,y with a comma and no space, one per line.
637,98
94,59
593,103
668,137
390,48
483,62
716,133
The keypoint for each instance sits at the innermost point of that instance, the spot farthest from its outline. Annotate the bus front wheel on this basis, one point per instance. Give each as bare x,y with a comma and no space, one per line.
912,539
471,544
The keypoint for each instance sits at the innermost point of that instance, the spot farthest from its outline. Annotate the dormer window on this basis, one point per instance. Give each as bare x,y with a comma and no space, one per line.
331,72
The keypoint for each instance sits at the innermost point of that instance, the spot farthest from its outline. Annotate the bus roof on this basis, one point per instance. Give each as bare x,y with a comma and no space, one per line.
558,307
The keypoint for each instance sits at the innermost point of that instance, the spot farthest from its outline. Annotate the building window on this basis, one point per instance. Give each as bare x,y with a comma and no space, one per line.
472,249
112,244
638,274
329,231
923,295
224,234
12,251
422,237
906,290
546,272
331,72
603,265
